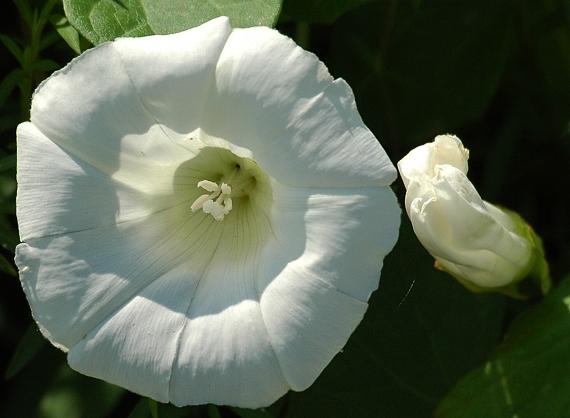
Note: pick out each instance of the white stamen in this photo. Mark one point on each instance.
(218, 203)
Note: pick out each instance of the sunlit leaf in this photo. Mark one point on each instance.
(104, 20)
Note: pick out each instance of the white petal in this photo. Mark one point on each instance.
(108, 125)
(75, 282)
(226, 356)
(337, 235)
(274, 98)
(136, 346)
(308, 323)
(59, 193)
(316, 276)
(172, 74)
(479, 245)
(419, 164)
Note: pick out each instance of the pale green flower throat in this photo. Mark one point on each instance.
(237, 180)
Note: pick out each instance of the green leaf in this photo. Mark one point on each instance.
(45, 65)
(318, 11)
(66, 31)
(529, 373)
(419, 72)
(105, 20)
(9, 84)
(13, 48)
(213, 411)
(8, 238)
(9, 122)
(25, 10)
(7, 267)
(31, 343)
(141, 410)
(420, 335)
(251, 413)
(153, 407)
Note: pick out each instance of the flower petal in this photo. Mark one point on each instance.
(226, 356)
(174, 93)
(72, 288)
(480, 244)
(116, 125)
(272, 97)
(136, 346)
(59, 193)
(340, 236)
(308, 323)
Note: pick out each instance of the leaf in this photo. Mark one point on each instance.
(141, 410)
(7, 267)
(318, 11)
(9, 84)
(66, 31)
(8, 238)
(419, 72)
(25, 10)
(528, 375)
(30, 345)
(105, 20)
(420, 335)
(45, 65)
(251, 413)
(13, 48)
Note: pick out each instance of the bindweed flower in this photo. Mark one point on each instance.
(204, 215)
(483, 246)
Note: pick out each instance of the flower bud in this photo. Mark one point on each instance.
(483, 246)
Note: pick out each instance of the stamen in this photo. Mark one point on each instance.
(218, 203)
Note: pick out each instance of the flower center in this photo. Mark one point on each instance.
(237, 179)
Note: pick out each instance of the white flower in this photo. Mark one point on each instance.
(469, 238)
(204, 214)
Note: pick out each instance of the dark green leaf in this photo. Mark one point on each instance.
(48, 39)
(7, 267)
(29, 346)
(527, 376)
(251, 413)
(152, 407)
(9, 122)
(141, 410)
(45, 65)
(8, 238)
(422, 72)
(105, 20)
(10, 83)
(213, 411)
(318, 11)
(13, 48)
(410, 349)
(8, 162)
(25, 10)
